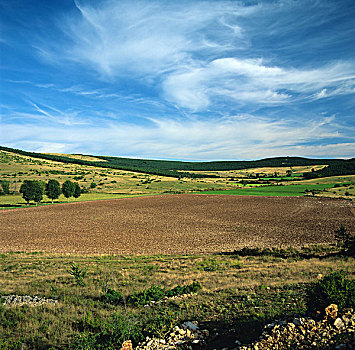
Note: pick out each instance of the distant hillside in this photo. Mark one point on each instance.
(184, 169)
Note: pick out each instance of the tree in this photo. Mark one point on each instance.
(53, 189)
(4, 187)
(77, 190)
(32, 190)
(288, 172)
(345, 240)
(38, 191)
(68, 189)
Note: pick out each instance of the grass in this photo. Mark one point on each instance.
(15, 201)
(286, 190)
(237, 290)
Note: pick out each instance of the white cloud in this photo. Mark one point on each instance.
(321, 94)
(144, 36)
(252, 81)
(238, 137)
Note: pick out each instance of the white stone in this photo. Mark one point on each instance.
(190, 325)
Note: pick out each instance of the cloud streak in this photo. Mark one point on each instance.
(238, 137)
(252, 81)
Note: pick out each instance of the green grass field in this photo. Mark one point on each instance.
(287, 190)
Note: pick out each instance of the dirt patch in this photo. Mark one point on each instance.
(173, 224)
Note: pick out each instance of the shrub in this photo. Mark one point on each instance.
(160, 322)
(194, 287)
(112, 297)
(154, 293)
(78, 272)
(334, 288)
(106, 335)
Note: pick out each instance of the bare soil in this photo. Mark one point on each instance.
(174, 224)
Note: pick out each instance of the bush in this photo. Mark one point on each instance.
(106, 335)
(160, 322)
(154, 293)
(194, 287)
(78, 272)
(334, 288)
(112, 297)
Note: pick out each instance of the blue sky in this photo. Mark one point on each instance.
(188, 80)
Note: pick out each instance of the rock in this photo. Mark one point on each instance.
(26, 299)
(127, 345)
(331, 311)
(338, 323)
(190, 325)
(306, 333)
(297, 321)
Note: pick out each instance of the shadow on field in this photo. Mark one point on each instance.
(245, 331)
(303, 253)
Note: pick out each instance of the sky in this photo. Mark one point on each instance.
(183, 80)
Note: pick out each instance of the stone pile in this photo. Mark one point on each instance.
(186, 337)
(166, 299)
(26, 299)
(306, 333)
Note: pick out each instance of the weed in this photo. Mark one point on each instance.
(78, 272)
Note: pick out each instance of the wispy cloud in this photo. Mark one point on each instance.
(252, 81)
(238, 137)
(194, 52)
(54, 115)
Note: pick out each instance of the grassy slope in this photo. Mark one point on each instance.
(113, 183)
(172, 166)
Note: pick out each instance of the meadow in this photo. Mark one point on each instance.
(239, 295)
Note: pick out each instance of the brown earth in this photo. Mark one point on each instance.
(173, 224)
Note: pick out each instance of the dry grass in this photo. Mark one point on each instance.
(37, 274)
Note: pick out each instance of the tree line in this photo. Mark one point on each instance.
(337, 168)
(33, 190)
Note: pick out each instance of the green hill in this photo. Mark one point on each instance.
(185, 169)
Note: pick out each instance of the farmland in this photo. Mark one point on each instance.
(179, 224)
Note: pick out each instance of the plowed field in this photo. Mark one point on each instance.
(173, 224)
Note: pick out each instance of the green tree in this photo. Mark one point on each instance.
(68, 189)
(38, 191)
(77, 190)
(32, 190)
(53, 189)
(4, 187)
